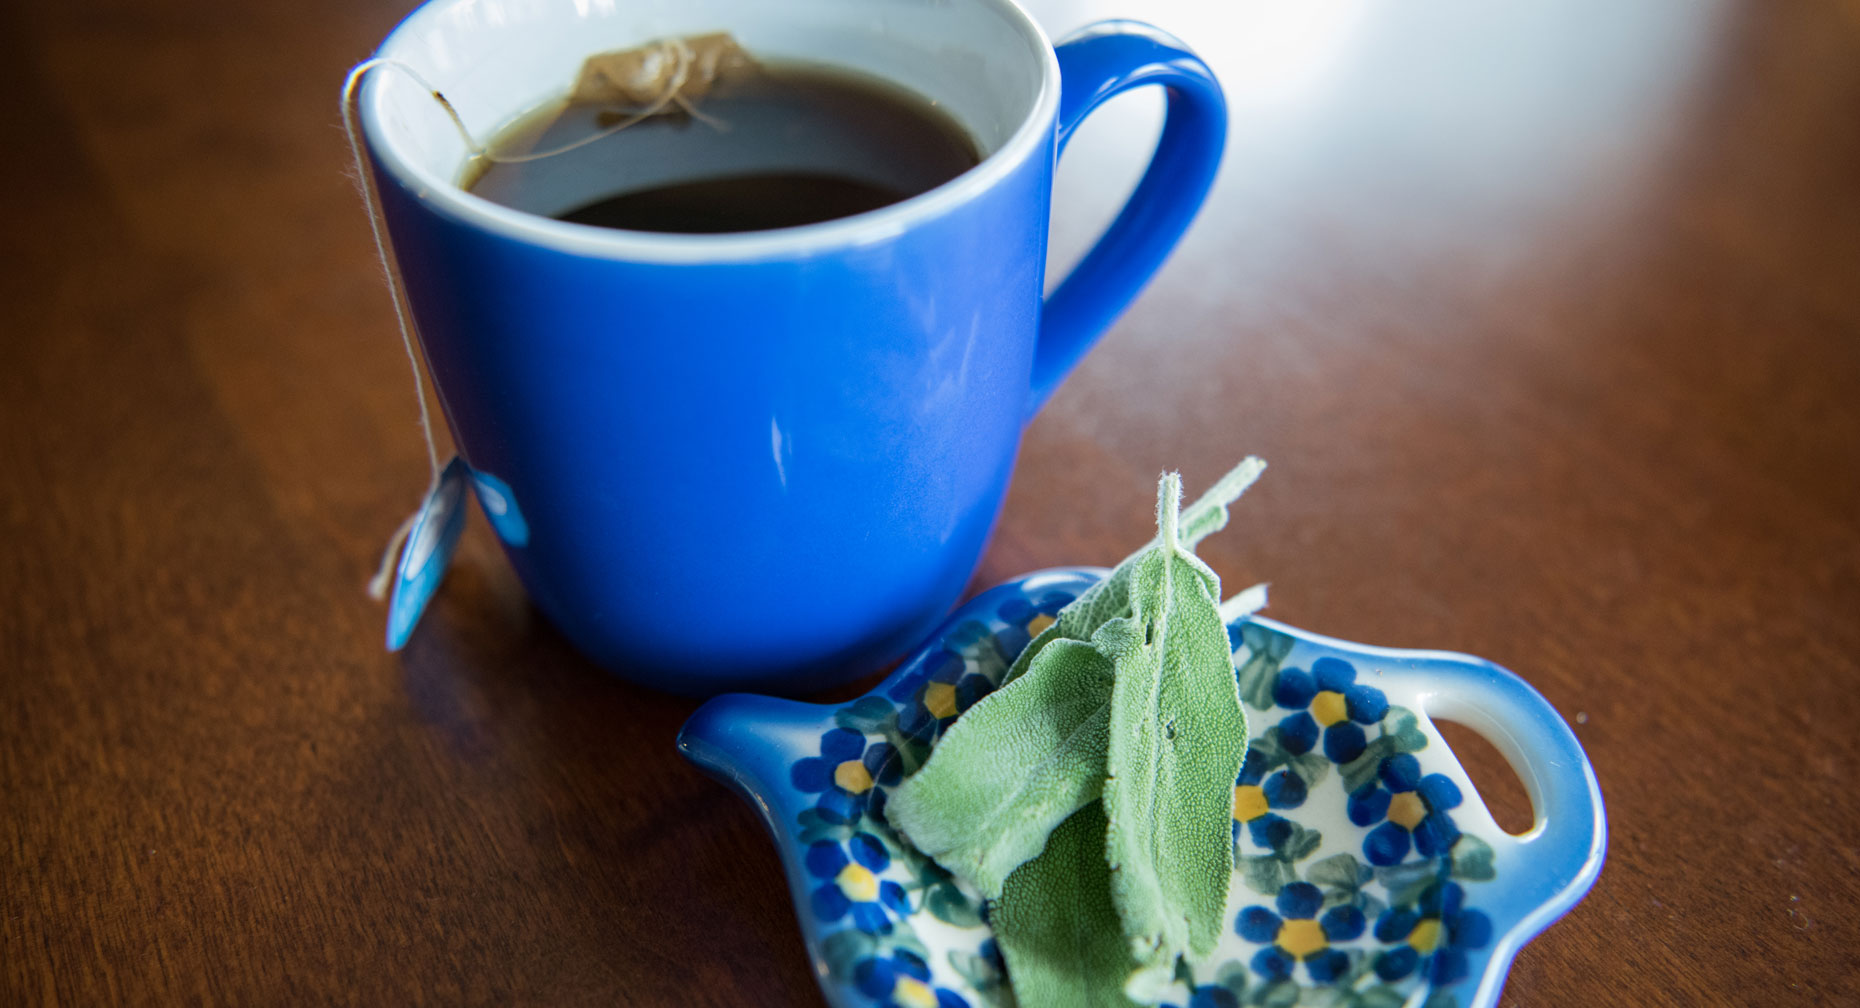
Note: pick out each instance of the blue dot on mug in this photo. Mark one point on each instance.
(500, 506)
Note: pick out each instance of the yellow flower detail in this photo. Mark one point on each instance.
(1249, 802)
(1329, 707)
(1038, 624)
(1425, 936)
(1407, 810)
(940, 699)
(910, 992)
(858, 883)
(1302, 938)
(852, 776)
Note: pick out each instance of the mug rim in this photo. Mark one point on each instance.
(447, 197)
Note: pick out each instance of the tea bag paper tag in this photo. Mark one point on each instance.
(669, 69)
(427, 552)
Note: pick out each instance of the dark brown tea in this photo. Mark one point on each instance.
(788, 144)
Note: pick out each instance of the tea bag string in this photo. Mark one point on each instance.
(377, 585)
(683, 59)
(681, 69)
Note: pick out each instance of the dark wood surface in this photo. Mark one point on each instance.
(1546, 314)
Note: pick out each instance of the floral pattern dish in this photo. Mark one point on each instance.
(1368, 873)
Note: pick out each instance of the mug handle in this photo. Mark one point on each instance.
(1095, 64)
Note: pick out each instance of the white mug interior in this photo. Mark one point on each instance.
(984, 62)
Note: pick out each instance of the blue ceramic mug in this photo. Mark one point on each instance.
(764, 460)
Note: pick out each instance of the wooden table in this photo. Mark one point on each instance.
(1546, 314)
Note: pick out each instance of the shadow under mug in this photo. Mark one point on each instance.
(765, 460)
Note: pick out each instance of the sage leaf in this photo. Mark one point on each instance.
(1011, 769)
(1177, 739)
(1056, 924)
(1110, 598)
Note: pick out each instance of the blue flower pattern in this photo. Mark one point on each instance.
(1328, 700)
(902, 980)
(1258, 798)
(1433, 936)
(969, 666)
(1380, 928)
(1297, 934)
(1414, 807)
(850, 884)
(845, 773)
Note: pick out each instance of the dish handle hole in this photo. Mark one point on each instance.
(1492, 774)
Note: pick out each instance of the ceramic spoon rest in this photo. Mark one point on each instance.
(1367, 870)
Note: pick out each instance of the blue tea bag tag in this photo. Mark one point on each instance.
(500, 506)
(428, 552)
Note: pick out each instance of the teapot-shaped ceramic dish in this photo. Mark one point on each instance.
(1367, 870)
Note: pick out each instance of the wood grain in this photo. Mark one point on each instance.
(1547, 316)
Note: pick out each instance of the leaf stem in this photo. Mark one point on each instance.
(1168, 510)
(1208, 514)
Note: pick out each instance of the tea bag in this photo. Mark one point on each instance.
(667, 71)
(644, 81)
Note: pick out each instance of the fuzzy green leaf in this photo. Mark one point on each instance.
(1056, 924)
(1011, 769)
(1110, 598)
(1177, 738)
